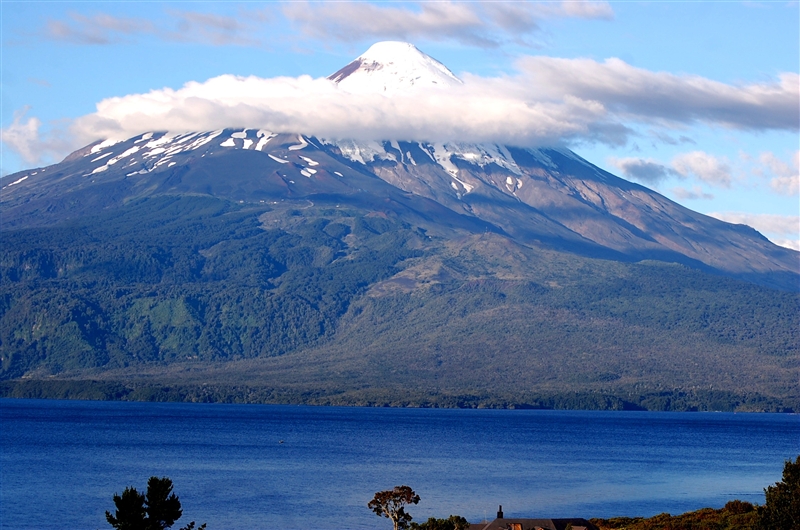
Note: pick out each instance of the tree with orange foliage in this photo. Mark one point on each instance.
(392, 505)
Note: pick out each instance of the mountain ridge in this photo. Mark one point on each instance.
(540, 194)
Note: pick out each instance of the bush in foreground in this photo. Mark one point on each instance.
(736, 515)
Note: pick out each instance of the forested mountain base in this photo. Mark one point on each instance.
(194, 298)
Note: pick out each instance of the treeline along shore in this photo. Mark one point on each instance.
(161, 508)
(674, 401)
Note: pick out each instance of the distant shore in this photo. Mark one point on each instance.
(152, 391)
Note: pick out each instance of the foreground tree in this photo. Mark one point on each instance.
(782, 509)
(454, 522)
(157, 509)
(130, 513)
(392, 505)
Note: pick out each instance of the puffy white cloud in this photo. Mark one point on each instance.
(646, 171)
(785, 185)
(23, 136)
(643, 94)
(708, 168)
(782, 230)
(785, 179)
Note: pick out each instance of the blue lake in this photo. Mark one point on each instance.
(63, 460)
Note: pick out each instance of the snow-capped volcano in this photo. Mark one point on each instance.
(543, 196)
(390, 67)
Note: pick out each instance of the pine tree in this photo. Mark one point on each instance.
(130, 513)
(782, 509)
(157, 509)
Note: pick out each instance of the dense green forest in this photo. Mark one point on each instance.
(199, 280)
(144, 389)
(201, 299)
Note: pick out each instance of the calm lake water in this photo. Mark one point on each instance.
(63, 460)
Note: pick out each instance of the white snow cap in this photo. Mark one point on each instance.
(390, 67)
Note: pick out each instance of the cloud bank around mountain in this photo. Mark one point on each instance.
(547, 102)
(479, 111)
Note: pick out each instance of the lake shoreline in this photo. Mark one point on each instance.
(694, 400)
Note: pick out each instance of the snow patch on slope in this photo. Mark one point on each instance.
(443, 154)
(16, 181)
(102, 145)
(363, 152)
(276, 159)
(303, 144)
(264, 137)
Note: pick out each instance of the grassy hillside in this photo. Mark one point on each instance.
(736, 515)
(324, 302)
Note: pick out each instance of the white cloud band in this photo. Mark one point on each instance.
(476, 112)
(505, 109)
(642, 94)
(782, 230)
(550, 101)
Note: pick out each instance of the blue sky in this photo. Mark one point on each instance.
(698, 100)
